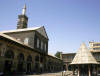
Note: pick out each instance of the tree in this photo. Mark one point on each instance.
(58, 54)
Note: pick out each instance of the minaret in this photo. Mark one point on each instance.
(22, 19)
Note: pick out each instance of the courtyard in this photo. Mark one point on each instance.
(67, 73)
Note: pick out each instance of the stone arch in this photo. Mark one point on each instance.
(9, 54)
(9, 57)
(29, 64)
(20, 65)
(37, 63)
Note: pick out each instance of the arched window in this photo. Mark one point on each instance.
(38, 41)
(26, 41)
(9, 54)
(45, 47)
(20, 62)
(29, 60)
(41, 45)
(8, 63)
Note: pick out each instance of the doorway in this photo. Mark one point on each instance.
(9, 56)
(20, 63)
(8, 66)
(29, 62)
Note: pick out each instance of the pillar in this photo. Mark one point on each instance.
(15, 61)
(73, 70)
(97, 69)
(89, 70)
(66, 66)
(2, 63)
(78, 71)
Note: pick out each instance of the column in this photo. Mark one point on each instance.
(89, 70)
(73, 70)
(78, 71)
(97, 69)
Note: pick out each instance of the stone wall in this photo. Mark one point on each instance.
(21, 36)
(10, 53)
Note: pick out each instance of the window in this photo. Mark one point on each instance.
(45, 47)
(26, 41)
(96, 48)
(9, 54)
(36, 58)
(99, 56)
(96, 44)
(41, 45)
(37, 43)
(0, 49)
(41, 59)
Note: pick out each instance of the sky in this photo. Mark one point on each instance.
(68, 23)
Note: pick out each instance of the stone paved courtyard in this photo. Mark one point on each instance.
(67, 73)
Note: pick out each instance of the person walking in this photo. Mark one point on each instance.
(64, 73)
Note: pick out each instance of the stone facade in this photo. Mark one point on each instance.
(25, 50)
(95, 49)
(22, 36)
(67, 59)
(30, 37)
(15, 57)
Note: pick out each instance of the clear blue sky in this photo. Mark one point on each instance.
(68, 22)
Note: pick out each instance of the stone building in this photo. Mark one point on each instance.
(94, 48)
(67, 59)
(25, 50)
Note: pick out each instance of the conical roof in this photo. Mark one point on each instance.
(84, 56)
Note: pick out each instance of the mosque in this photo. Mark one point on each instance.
(25, 50)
